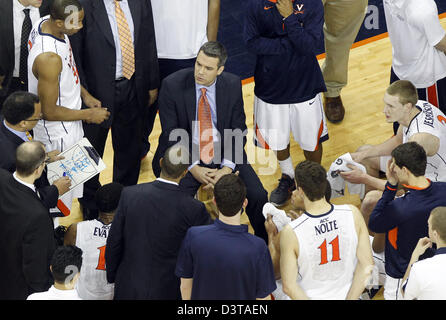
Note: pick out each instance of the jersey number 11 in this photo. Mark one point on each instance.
(335, 250)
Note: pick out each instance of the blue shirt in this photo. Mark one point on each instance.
(226, 263)
(110, 8)
(287, 70)
(404, 220)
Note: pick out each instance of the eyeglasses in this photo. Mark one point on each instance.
(45, 162)
(37, 119)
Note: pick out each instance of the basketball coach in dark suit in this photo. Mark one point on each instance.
(116, 56)
(147, 231)
(212, 98)
(16, 19)
(26, 231)
(21, 111)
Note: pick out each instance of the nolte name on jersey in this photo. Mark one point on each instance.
(325, 226)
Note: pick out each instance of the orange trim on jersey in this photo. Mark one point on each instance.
(319, 134)
(391, 189)
(392, 235)
(260, 139)
(432, 97)
(417, 188)
(63, 208)
(442, 119)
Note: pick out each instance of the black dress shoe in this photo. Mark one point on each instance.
(334, 109)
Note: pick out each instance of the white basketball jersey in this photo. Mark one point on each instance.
(430, 120)
(91, 237)
(69, 83)
(327, 253)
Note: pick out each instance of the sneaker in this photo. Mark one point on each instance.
(282, 193)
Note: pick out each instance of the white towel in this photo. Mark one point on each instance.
(280, 218)
(338, 183)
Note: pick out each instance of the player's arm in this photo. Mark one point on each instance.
(429, 142)
(420, 249)
(186, 288)
(442, 45)
(289, 252)
(383, 149)
(255, 41)
(357, 176)
(70, 235)
(364, 266)
(273, 244)
(213, 19)
(47, 68)
(303, 32)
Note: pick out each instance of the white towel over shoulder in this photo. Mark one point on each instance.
(280, 218)
(336, 181)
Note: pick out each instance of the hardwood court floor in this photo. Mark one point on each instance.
(364, 123)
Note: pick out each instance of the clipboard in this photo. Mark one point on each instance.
(81, 163)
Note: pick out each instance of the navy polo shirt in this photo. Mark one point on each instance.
(226, 262)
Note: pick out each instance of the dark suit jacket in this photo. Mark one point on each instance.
(7, 38)
(9, 143)
(177, 110)
(95, 54)
(145, 237)
(26, 240)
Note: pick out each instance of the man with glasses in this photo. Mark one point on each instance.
(27, 239)
(21, 112)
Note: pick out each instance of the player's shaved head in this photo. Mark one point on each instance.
(62, 9)
(29, 156)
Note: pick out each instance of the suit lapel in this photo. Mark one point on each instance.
(220, 101)
(135, 10)
(9, 32)
(190, 98)
(8, 134)
(100, 16)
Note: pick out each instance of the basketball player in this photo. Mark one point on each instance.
(91, 237)
(325, 253)
(52, 75)
(404, 220)
(420, 121)
(288, 82)
(418, 47)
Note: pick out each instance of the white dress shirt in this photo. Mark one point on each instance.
(18, 17)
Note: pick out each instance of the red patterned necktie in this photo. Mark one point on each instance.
(205, 125)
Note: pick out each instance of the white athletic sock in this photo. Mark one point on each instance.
(287, 167)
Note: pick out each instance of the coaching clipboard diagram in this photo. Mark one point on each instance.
(81, 162)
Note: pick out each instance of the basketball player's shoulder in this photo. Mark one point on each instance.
(348, 209)
(47, 60)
